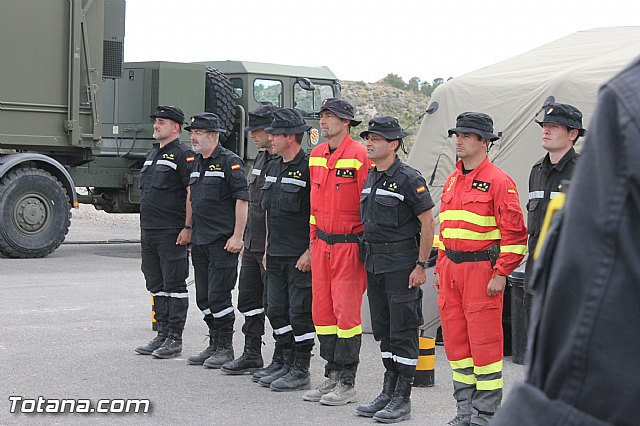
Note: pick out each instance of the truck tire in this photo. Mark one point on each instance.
(35, 213)
(218, 99)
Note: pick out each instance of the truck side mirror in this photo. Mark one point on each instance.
(306, 84)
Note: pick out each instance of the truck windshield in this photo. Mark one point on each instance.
(268, 92)
(307, 101)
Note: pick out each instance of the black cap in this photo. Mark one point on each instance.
(287, 121)
(565, 114)
(260, 118)
(341, 108)
(385, 126)
(206, 121)
(170, 112)
(475, 122)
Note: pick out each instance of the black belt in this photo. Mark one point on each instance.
(467, 256)
(390, 248)
(338, 238)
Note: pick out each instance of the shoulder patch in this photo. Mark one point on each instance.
(235, 166)
(480, 185)
(190, 158)
(421, 189)
(511, 191)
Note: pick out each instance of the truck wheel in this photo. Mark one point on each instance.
(218, 99)
(35, 213)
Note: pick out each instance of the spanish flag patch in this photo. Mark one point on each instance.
(511, 191)
(421, 189)
(190, 158)
(235, 166)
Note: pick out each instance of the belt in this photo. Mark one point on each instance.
(338, 238)
(390, 248)
(467, 256)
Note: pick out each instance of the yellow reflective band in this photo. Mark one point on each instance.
(317, 161)
(436, 241)
(462, 363)
(346, 163)
(487, 385)
(557, 203)
(441, 246)
(467, 216)
(346, 334)
(326, 329)
(312, 220)
(465, 234)
(496, 367)
(517, 249)
(467, 379)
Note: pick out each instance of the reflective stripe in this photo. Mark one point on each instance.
(467, 379)
(554, 195)
(468, 216)
(495, 367)
(405, 361)
(318, 162)
(386, 355)
(487, 385)
(312, 219)
(194, 174)
(216, 174)
(536, 194)
(390, 194)
(174, 295)
(441, 246)
(366, 191)
(345, 334)
(256, 172)
(324, 330)
(462, 363)
(294, 181)
(465, 234)
(147, 163)
(516, 248)
(271, 178)
(306, 336)
(253, 312)
(436, 241)
(348, 163)
(171, 164)
(283, 330)
(207, 311)
(223, 312)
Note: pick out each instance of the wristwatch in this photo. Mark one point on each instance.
(423, 265)
(186, 227)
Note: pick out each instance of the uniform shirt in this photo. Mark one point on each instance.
(480, 209)
(337, 179)
(216, 183)
(254, 234)
(390, 205)
(285, 197)
(163, 182)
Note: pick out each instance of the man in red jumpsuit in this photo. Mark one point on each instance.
(483, 239)
(338, 170)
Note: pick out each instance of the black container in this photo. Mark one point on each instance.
(518, 333)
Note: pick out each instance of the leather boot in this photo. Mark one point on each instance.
(200, 358)
(171, 347)
(298, 377)
(276, 364)
(460, 420)
(223, 353)
(249, 361)
(388, 387)
(314, 395)
(343, 393)
(155, 343)
(287, 358)
(399, 408)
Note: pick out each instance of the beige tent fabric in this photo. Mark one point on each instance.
(513, 91)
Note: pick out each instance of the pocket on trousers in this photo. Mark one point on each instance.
(485, 321)
(303, 287)
(407, 309)
(177, 267)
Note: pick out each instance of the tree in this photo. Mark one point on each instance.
(394, 80)
(414, 84)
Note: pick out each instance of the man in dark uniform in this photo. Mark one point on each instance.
(561, 128)
(583, 342)
(165, 222)
(398, 230)
(219, 198)
(251, 284)
(285, 197)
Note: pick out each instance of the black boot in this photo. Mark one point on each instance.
(249, 361)
(171, 347)
(156, 342)
(388, 386)
(297, 378)
(276, 364)
(223, 353)
(287, 363)
(200, 358)
(399, 408)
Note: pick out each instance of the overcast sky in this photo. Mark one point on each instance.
(361, 39)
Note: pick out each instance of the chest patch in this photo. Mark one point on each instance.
(346, 173)
(215, 167)
(480, 185)
(391, 186)
(296, 174)
(168, 157)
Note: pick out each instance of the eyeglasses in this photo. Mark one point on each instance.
(374, 138)
(200, 132)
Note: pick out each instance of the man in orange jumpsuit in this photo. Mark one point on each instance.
(338, 170)
(483, 239)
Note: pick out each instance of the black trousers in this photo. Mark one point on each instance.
(289, 303)
(396, 314)
(216, 272)
(252, 293)
(165, 267)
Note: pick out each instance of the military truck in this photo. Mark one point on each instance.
(73, 115)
